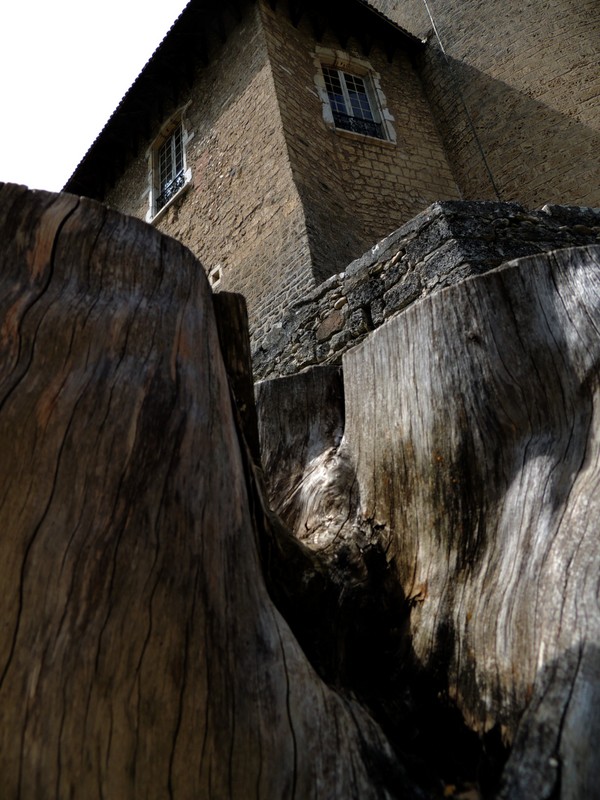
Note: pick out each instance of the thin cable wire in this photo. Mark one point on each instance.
(463, 101)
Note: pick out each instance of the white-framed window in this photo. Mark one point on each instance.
(352, 102)
(351, 94)
(168, 171)
(170, 167)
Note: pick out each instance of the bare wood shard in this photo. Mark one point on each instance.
(231, 317)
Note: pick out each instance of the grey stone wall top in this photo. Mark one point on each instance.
(446, 243)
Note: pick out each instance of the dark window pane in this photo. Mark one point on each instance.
(170, 164)
(350, 102)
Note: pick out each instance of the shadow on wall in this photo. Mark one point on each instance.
(331, 222)
(523, 150)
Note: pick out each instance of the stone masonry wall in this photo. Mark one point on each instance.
(242, 210)
(279, 200)
(527, 74)
(443, 245)
(354, 189)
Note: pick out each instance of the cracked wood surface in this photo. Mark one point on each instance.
(470, 453)
(473, 423)
(140, 653)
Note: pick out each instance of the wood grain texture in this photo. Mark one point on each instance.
(469, 461)
(301, 425)
(231, 316)
(140, 653)
(473, 425)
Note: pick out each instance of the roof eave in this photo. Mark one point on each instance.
(166, 66)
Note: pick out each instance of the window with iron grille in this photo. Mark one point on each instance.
(352, 102)
(170, 168)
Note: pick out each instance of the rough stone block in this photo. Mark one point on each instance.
(402, 295)
(332, 323)
(365, 292)
(358, 322)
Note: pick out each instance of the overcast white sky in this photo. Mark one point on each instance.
(64, 66)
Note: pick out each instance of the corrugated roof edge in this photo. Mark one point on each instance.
(391, 22)
(127, 93)
(71, 183)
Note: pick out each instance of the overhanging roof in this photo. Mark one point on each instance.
(170, 70)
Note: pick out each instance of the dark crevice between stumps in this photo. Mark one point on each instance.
(352, 620)
(375, 664)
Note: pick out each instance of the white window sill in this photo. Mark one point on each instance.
(361, 137)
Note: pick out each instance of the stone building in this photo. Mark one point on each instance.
(280, 140)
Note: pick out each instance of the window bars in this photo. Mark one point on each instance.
(170, 168)
(352, 106)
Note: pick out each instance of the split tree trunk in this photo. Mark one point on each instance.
(471, 453)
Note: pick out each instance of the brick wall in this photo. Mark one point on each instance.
(242, 211)
(354, 189)
(528, 75)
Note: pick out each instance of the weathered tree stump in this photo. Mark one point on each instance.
(140, 653)
(473, 424)
(471, 448)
